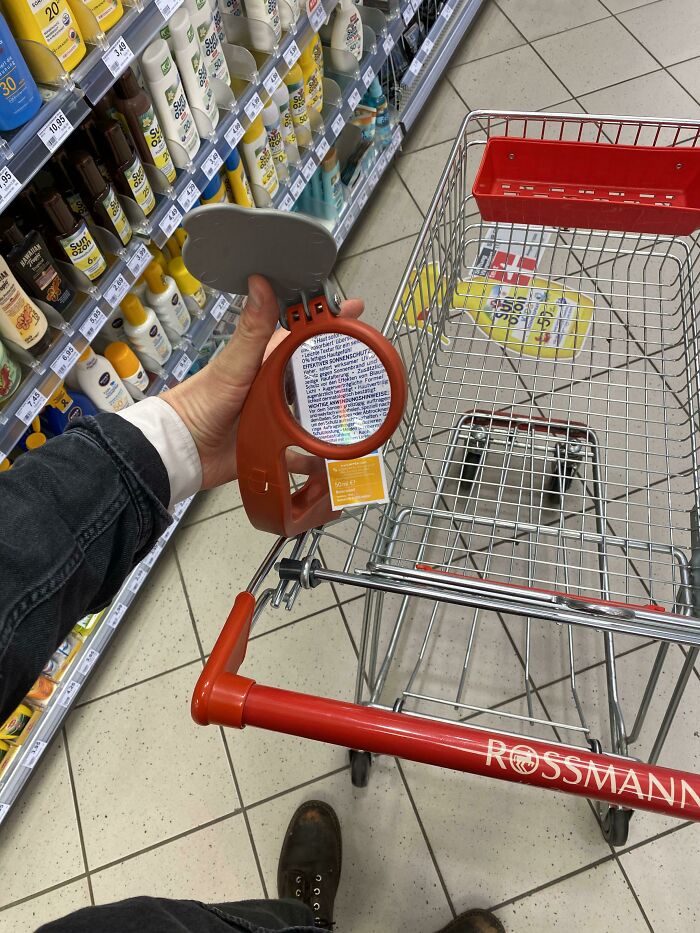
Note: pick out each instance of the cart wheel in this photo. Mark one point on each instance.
(473, 456)
(360, 763)
(565, 469)
(616, 825)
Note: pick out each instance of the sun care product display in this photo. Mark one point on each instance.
(10, 375)
(129, 369)
(281, 98)
(202, 18)
(330, 180)
(238, 180)
(273, 128)
(128, 170)
(102, 199)
(49, 23)
(190, 288)
(265, 11)
(375, 99)
(137, 109)
(170, 102)
(294, 81)
(106, 12)
(145, 332)
(193, 71)
(313, 79)
(258, 160)
(64, 406)
(99, 381)
(346, 33)
(76, 240)
(21, 322)
(29, 258)
(163, 296)
(20, 99)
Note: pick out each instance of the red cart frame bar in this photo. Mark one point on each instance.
(224, 697)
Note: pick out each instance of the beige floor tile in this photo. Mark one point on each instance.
(154, 636)
(512, 80)
(26, 917)
(688, 73)
(211, 502)
(213, 865)
(375, 276)
(440, 121)
(39, 841)
(670, 29)
(143, 770)
(313, 656)
(617, 56)
(388, 881)
(421, 171)
(491, 32)
(660, 873)
(652, 95)
(390, 209)
(619, 6)
(572, 905)
(538, 18)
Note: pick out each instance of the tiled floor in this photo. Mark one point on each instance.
(135, 799)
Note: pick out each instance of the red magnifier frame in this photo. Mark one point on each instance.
(267, 428)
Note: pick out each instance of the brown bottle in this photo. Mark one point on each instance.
(63, 181)
(102, 199)
(29, 258)
(74, 237)
(90, 137)
(129, 173)
(137, 108)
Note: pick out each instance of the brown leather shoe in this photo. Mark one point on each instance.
(311, 859)
(474, 921)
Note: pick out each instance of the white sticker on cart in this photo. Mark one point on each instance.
(357, 482)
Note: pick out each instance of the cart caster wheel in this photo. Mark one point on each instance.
(360, 763)
(473, 457)
(616, 825)
(565, 470)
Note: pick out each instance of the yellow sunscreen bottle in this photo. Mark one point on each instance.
(106, 12)
(49, 23)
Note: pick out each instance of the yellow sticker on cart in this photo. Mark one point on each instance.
(357, 482)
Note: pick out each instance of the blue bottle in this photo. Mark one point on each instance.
(64, 406)
(20, 99)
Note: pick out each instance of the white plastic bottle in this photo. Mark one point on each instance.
(218, 21)
(273, 128)
(163, 296)
(129, 369)
(258, 159)
(234, 7)
(193, 71)
(98, 379)
(145, 331)
(346, 34)
(170, 102)
(281, 98)
(268, 12)
(202, 17)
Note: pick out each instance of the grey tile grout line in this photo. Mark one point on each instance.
(83, 704)
(633, 892)
(206, 518)
(409, 192)
(74, 792)
(31, 897)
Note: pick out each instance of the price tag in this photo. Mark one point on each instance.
(368, 76)
(234, 134)
(65, 361)
(407, 14)
(9, 186)
(138, 262)
(317, 15)
(4, 810)
(322, 149)
(355, 98)
(297, 187)
(362, 200)
(116, 614)
(55, 131)
(34, 753)
(137, 578)
(308, 168)
(69, 691)
(253, 107)
(31, 407)
(416, 5)
(382, 163)
(93, 324)
(427, 48)
(150, 558)
(171, 221)
(272, 81)
(287, 203)
(182, 367)
(291, 54)
(88, 662)
(168, 533)
(338, 124)
(219, 309)
(188, 197)
(118, 57)
(212, 164)
(415, 66)
(447, 12)
(388, 44)
(168, 7)
(116, 291)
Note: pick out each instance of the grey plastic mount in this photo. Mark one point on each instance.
(227, 243)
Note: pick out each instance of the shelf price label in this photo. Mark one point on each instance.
(168, 7)
(308, 168)
(234, 134)
(34, 754)
(338, 124)
(322, 149)
(212, 164)
(354, 98)
(150, 558)
(171, 221)
(188, 197)
(217, 312)
(9, 186)
(118, 57)
(362, 200)
(291, 54)
(447, 12)
(408, 14)
(116, 615)
(68, 693)
(138, 262)
(297, 186)
(88, 662)
(287, 203)
(182, 367)
(427, 48)
(388, 44)
(55, 130)
(415, 66)
(137, 578)
(317, 14)
(93, 324)
(116, 291)
(272, 81)
(253, 107)
(415, 4)
(368, 76)
(31, 407)
(65, 361)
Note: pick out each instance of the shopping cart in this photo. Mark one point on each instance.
(543, 482)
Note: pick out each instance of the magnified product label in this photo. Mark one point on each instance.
(342, 389)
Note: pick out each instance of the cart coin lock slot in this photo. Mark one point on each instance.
(335, 387)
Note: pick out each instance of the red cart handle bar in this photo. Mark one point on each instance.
(224, 697)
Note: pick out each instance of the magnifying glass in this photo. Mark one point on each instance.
(335, 388)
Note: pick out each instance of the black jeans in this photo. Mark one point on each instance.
(77, 515)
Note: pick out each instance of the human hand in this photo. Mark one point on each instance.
(210, 402)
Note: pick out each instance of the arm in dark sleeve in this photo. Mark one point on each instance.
(76, 516)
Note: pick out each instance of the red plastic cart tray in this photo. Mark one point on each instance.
(636, 189)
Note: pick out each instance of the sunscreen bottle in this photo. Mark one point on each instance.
(20, 99)
(129, 369)
(49, 23)
(190, 288)
(170, 101)
(237, 178)
(258, 158)
(99, 381)
(144, 330)
(193, 71)
(163, 296)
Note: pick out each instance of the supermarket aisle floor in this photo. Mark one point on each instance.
(135, 799)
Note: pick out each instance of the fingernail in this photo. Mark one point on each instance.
(255, 295)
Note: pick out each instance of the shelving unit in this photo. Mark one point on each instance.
(95, 76)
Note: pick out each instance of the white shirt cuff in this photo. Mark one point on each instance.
(164, 428)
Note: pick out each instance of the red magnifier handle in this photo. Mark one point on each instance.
(267, 429)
